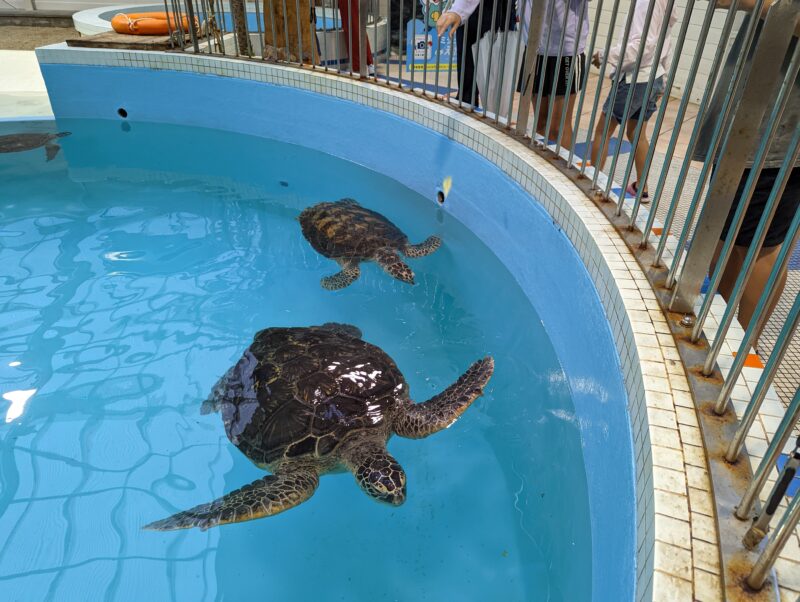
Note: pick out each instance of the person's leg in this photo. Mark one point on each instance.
(640, 152)
(566, 135)
(468, 35)
(599, 158)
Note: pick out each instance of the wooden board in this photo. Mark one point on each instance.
(112, 39)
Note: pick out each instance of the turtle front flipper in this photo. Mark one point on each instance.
(271, 495)
(51, 150)
(390, 261)
(423, 419)
(426, 247)
(343, 279)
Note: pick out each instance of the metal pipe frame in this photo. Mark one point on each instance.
(363, 9)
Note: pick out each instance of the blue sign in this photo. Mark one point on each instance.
(422, 44)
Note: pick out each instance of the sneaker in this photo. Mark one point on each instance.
(371, 70)
(633, 191)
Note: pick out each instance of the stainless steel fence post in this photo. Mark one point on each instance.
(523, 5)
(767, 376)
(324, 35)
(477, 55)
(782, 434)
(363, 8)
(542, 68)
(260, 31)
(425, 65)
(553, 86)
(192, 32)
(504, 50)
(764, 77)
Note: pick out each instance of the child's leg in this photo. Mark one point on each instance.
(640, 152)
(599, 158)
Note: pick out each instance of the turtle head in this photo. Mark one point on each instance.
(381, 477)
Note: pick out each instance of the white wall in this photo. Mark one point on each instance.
(690, 45)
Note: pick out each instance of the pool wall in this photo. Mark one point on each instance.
(417, 143)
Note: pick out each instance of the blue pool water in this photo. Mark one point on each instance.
(137, 266)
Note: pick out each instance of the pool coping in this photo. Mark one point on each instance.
(677, 540)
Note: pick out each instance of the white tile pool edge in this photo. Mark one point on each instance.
(677, 550)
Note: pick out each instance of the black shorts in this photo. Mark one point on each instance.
(787, 207)
(554, 69)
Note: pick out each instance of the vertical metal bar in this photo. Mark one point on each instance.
(489, 61)
(571, 78)
(529, 65)
(543, 60)
(648, 90)
(782, 434)
(501, 76)
(767, 376)
(287, 58)
(478, 39)
(451, 41)
(388, 38)
(169, 22)
(463, 64)
(324, 35)
(762, 81)
(554, 85)
(600, 78)
(260, 32)
(585, 84)
(221, 26)
(615, 86)
(427, 35)
(515, 71)
(402, 46)
(786, 526)
(741, 209)
(192, 32)
(413, 41)
(673, 70)
(299, 32)
(362, 38)
(272, 27)
(374, 14)
(707, 93)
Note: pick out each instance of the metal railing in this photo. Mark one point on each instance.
(740, 156)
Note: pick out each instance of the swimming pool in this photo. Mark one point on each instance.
(534, 468)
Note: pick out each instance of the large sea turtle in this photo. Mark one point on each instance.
(349, 233)
(302, 402)
(16, 143)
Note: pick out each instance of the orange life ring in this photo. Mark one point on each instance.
(149, 24)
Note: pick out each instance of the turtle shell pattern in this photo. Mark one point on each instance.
(300, 392)
(347, 230)
(12, 143)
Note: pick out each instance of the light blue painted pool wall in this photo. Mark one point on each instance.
(487, 201)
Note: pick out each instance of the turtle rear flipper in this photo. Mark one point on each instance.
(51, 150)
(265, 497)
(390, 261)
(426, 247)
(423, 419)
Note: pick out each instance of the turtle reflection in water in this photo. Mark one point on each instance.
(17, 143)
(302, 402)
(349, 233)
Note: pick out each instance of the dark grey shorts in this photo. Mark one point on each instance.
(637, 102)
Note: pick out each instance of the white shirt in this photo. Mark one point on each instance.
(465, 8)
(651, 41)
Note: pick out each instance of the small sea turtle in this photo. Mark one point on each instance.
(16, 143)
(349, 233)
(302, 402)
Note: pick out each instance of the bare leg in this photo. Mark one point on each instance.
(754, 286)
(599, 159)
(640, 153)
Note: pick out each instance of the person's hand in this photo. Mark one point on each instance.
(448, 20)
(596, 59)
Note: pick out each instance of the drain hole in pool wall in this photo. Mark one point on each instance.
(440, 196)
(122, 112)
